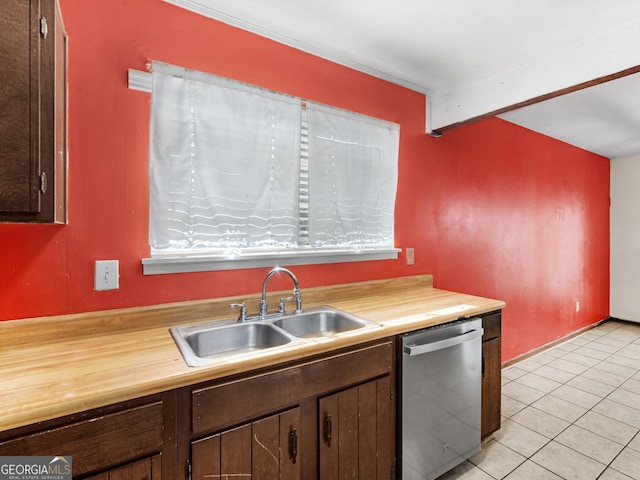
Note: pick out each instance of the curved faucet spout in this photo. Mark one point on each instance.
(296, 290)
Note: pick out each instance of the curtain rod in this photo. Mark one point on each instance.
(139, 80)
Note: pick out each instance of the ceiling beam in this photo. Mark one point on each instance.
(542, 98)
(604, 55)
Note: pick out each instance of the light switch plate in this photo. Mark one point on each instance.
(107, 276)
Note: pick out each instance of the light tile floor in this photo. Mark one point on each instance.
(570, 412)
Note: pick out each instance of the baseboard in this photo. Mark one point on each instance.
(546, 346)
(615, 319)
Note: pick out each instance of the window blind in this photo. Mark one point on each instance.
(236, 169)
(353, 172)
(222, 155)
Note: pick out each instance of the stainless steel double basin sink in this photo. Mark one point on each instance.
(218, 341)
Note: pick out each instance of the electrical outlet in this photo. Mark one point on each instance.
(410, 256)
(577, 306)
(107, 276)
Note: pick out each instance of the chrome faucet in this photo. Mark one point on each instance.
(296, 291)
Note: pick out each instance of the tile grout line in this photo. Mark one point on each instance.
(566, 383)
(610, 339)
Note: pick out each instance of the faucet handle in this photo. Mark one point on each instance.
(243, 311)
(298, 295)
(281, 305)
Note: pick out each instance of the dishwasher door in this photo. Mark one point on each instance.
(440, 407)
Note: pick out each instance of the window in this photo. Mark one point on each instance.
(241, 176)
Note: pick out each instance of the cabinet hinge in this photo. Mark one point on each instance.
(43, 183)
(44, 28)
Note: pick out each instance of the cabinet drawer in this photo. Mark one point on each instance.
(219, 406)
(97, 443)
(492, 325)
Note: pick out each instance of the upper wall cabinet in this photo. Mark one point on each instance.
(32, 112)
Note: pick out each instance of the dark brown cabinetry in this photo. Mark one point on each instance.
(32, 112)
(491, 373)
(145, 469)
(356, 433)
(266, 448)
(125, 441)
(273, 425)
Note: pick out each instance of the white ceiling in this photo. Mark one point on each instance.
(472, 58)
(604, 119)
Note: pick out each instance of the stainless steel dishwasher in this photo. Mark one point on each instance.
(440, 398)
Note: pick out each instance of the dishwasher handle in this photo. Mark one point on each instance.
(420, 349)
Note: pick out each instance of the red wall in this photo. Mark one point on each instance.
(491, 209)
(524, 218)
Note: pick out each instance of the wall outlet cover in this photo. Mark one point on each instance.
(411, 259)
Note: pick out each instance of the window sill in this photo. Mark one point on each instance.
(161, 264)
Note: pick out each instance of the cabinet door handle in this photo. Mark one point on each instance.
(44, 28)
(187, 470)
(293, 444)
(327, 429)
(43, 183)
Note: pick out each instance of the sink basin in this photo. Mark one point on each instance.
(206, 343)
(320, 322)
(201, 342)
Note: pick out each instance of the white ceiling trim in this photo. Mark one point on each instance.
(200, 7)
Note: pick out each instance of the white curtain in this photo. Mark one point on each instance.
(224, 163)
(353, 172)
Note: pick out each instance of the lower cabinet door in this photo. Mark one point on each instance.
(261, 450)
(491, 387)
(356, 430)
(145, 469)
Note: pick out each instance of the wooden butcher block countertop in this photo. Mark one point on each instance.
(56, 366)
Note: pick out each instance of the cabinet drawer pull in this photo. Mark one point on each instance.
(327, 430)
(293, 444)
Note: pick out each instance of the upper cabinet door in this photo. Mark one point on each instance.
(32, 112)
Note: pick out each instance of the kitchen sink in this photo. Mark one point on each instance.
(320, 322)
(207, 343)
